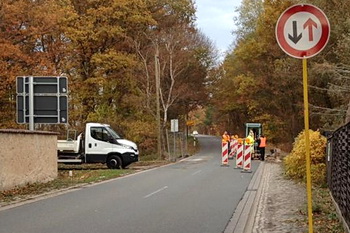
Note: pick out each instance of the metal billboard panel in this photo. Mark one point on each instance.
(20, 109)
(50, 100)
(43, 85)
(45, 110)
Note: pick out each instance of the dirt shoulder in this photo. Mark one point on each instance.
(282, 205)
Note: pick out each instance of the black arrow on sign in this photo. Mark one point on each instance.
(295, 38)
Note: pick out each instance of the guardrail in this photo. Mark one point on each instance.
(338, 171)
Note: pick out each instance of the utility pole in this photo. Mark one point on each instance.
(157, 76)
(186, 133)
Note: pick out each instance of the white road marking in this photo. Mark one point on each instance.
(195, 160)
(155, 192)
(195, 173)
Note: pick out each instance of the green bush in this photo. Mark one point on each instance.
(295, 162)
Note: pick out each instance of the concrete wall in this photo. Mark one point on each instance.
(27, 157)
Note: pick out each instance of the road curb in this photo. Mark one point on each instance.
(242, 220)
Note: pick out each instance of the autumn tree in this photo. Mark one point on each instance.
(259, 84)
(107, 50)
(329, 83)
(30, 44)
(101, 62)
(179, 54)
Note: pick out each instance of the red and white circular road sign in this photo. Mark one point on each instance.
(302, 31)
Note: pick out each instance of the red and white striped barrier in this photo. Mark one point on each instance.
(224, 161)
(239, 157)
(233, 149)
(235, 145)
(247, 158)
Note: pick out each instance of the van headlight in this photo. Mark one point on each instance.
(127, 147)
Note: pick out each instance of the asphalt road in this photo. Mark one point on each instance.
(194, 195)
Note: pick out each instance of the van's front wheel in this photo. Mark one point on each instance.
(114, 162)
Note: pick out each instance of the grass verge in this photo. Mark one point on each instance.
(324, 212)
(325, 217)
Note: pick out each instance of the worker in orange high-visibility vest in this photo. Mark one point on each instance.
(226, 137)
(262, 146)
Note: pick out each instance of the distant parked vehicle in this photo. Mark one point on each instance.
(99, 143)
(195, 132)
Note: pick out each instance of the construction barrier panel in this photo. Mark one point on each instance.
(235, 145)
(247, 158)
(239, 157)
(224, 161)
(233, 149)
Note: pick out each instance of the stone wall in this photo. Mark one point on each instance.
(27, 157)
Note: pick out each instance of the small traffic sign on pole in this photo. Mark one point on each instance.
(302, 31)
(174, 125)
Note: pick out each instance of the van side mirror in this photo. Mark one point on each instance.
(111, 139)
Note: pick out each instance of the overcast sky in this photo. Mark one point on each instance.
(215, 19)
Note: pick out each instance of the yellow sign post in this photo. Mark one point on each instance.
(302, 31)
(307, 146)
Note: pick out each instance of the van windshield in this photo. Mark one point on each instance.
(113, 133)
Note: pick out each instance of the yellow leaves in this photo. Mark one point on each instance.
(295, 162)
(249, 49)
(141, 132)
(103, 22)
(113, 60)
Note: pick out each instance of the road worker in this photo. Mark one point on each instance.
(226, 137)
(262, 146)
(250, 141)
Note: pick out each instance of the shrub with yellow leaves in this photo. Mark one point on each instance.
(295, 162)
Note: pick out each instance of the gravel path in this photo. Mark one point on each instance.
(280, 203)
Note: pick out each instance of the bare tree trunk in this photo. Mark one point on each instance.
(157, 76)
